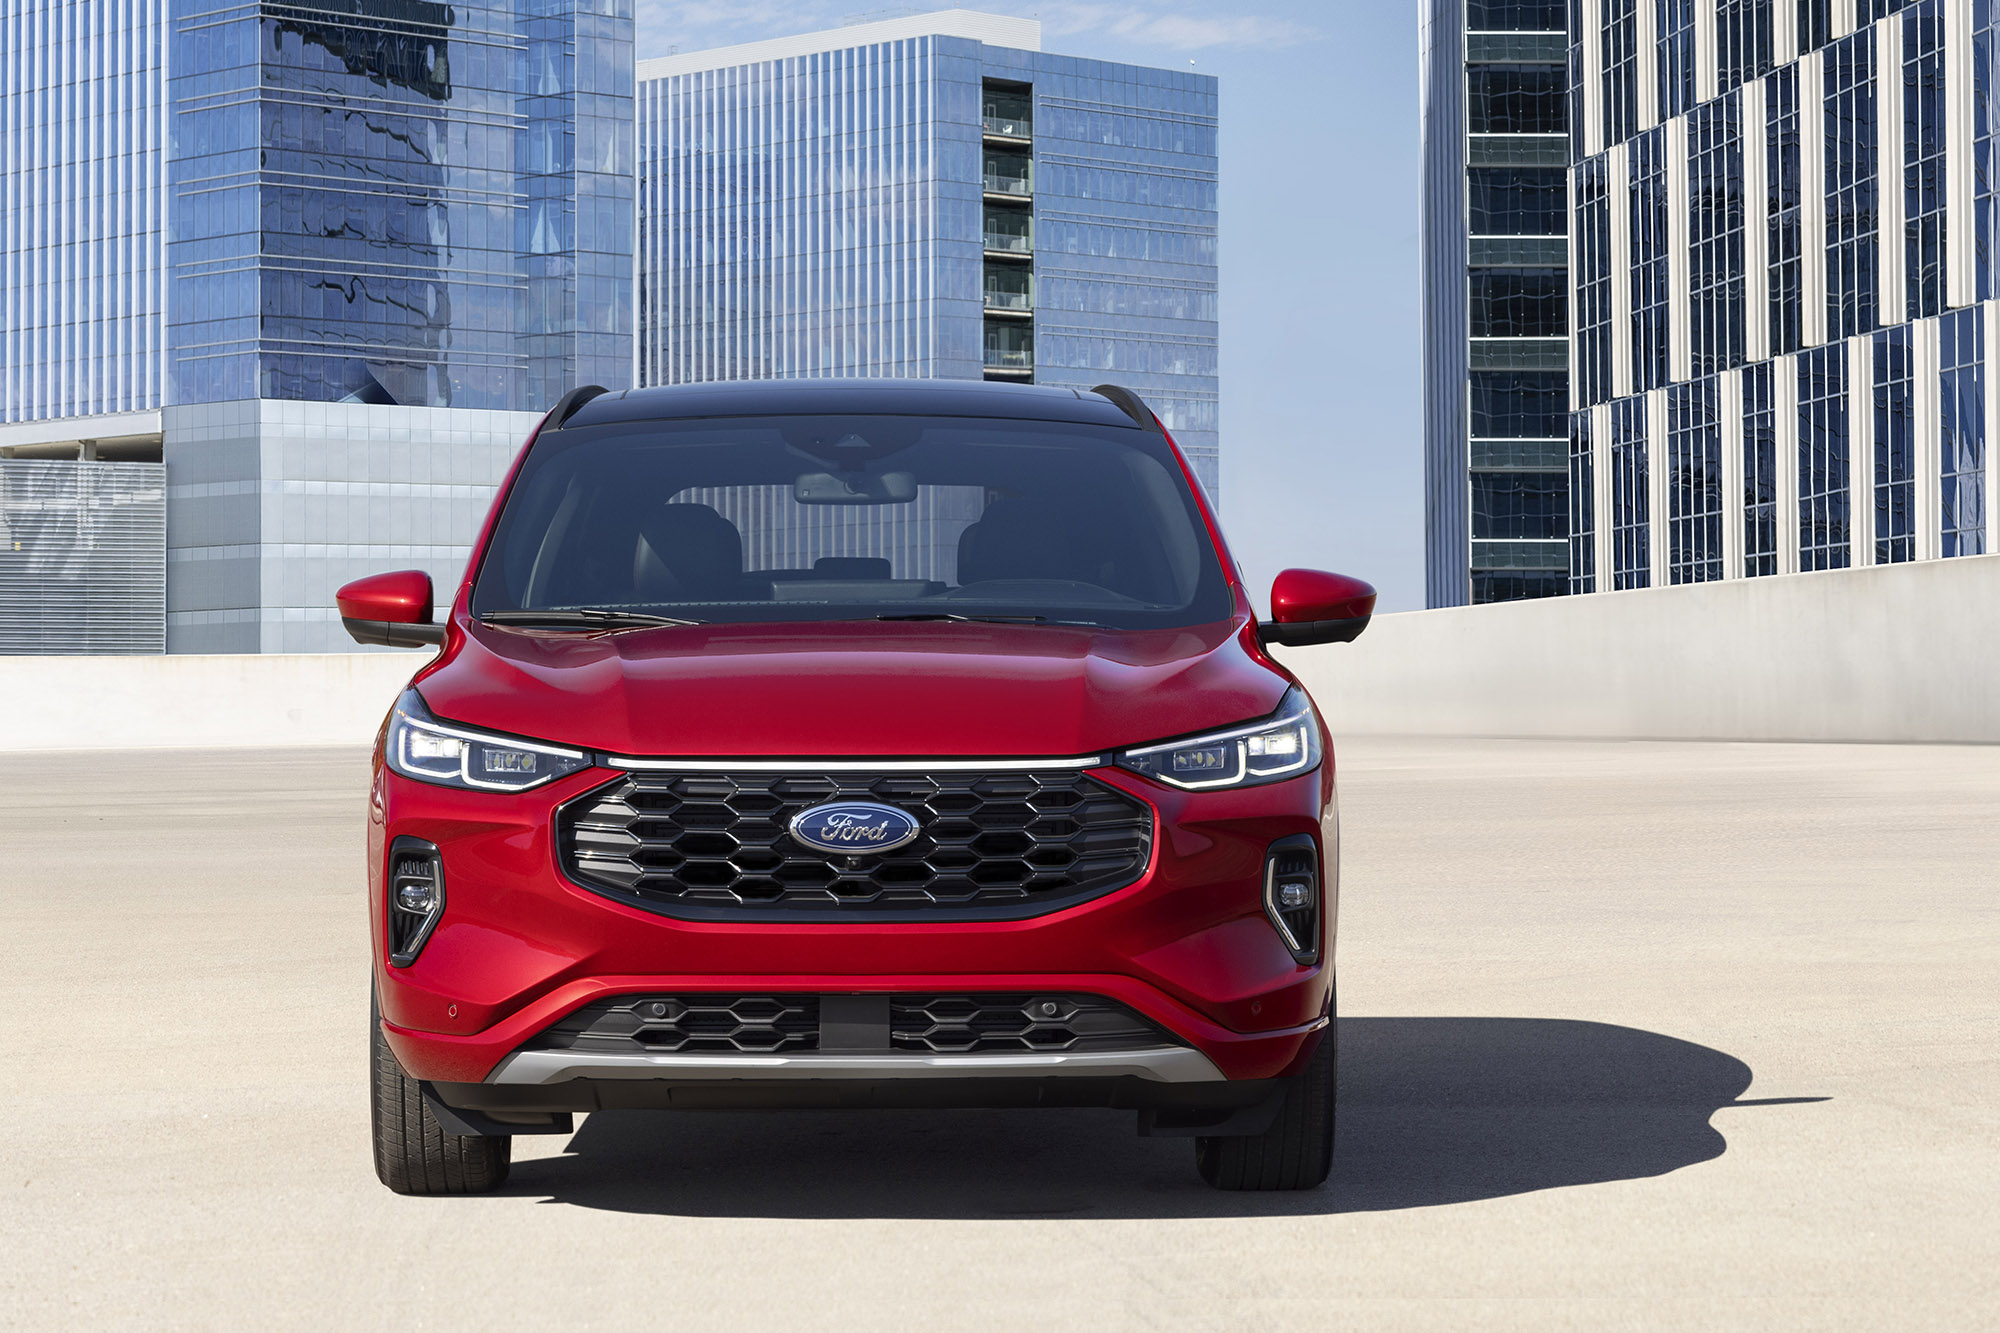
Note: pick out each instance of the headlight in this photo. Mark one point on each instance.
(1282, 746)
(421, 747)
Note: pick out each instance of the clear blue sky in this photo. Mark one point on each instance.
(1321, 417)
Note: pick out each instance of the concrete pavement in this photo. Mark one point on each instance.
(1649, 1035)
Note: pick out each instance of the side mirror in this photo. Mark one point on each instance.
(391, 609)
(1310, 606)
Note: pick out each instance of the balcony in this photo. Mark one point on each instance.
(1018, 186)
(1007, 111)
(1009, 233)
(1010, 349)
(1009, 175)
(1010, 358)
(1009, 303)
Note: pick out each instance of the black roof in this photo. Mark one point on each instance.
(873, 397)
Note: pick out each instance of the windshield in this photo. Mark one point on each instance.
(848, 518)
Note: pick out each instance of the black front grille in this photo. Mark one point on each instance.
(770, 1024)
(991, 846)
(690, 1024)
(950, 1024)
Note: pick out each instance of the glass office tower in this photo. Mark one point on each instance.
(1495, 304)
(931, 196)
(327, 261)
(401, 202)
(1784, 285)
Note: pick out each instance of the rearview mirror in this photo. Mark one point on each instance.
(859, 488)
(390, 609)
(1310, 606)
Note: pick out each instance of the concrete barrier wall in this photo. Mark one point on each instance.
(1900, 653)
(90, 703)
(1893, 653)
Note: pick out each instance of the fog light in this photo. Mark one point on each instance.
(420, 898)
(415, 899)
(1291, 895)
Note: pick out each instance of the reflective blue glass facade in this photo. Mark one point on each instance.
(399, 201)
(82, 215)
(325, 261)
(932, 205)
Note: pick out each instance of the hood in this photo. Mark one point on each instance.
(852, 690)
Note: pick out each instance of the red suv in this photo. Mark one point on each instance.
(865, 743)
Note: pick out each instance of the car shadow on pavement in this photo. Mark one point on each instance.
(1432, 1111)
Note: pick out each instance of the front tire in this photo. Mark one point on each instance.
(413, 1154)
(1296, 1152)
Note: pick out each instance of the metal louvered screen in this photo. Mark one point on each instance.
(83, 557)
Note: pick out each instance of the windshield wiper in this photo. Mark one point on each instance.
(988, 620)
(590, 617)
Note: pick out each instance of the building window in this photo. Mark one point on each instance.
(1650, 284)
(1895, 449)
(1519, 404)
(1923, 156)
(1517, 201)
(1985, 143)
(1743, 42)
(1851, 200)
(1516, 585)
(1676, 62)
(1815, 23)
(1781, 148)
(1520, 506)
(1694, 483)
(1823, 539)
(1620, 63)
(1962, 455)
(1760, 472)
(1515, 99)
(1631, 533)
(1519, 303)
(1513, 15)
(1592, 249)
(1576, 99)
(1582, 506)
(1715, 236)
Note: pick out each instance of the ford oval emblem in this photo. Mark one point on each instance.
(854, 828)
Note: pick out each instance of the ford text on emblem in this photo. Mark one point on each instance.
(854, 828)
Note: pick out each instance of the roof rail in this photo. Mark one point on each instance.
(567, 405)
(1128, 403)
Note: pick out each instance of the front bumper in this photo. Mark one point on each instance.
(519, 947)
(1156, 1064)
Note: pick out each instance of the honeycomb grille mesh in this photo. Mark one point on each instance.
(992, 845)
(773, 1024)
(970, 1024)
(691, 1024)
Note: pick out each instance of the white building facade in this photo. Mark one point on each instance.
(1783, 286)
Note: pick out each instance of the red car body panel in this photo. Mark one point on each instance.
(1189, 945)
(852, 690)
